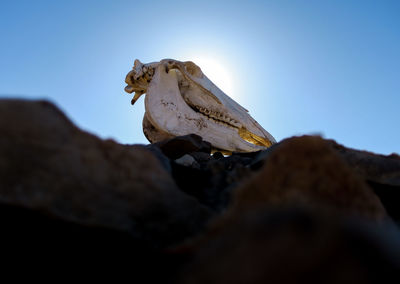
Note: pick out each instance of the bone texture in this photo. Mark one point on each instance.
(181, 100)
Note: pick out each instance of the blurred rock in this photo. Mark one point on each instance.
(37, 241)
(307, 171)
(293, 245)
(201, 157)
(381, 172)
(187, 161)
(211, 181)
(372, 167)
(176, 147)
(217, 155)
(164, 160)
(304, 210)
(48, 164)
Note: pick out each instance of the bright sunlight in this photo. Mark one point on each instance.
(217, 73)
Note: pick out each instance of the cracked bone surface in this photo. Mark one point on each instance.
(181, 100)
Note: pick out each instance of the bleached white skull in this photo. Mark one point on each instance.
(181, 100)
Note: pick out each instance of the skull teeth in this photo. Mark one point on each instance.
(218, 117)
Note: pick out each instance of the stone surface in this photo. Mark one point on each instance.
(36, 241)
(201, 157)
(305, 210)
(294, 246)
(48, 164)
(213, 180)
(187, 160)
(373, 167)
(381, 172)
(307, 171)
(175, 148)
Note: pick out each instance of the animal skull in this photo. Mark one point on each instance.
(181, 100)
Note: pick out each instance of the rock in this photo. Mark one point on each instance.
(381, 172)
(293, 245)
(258, 161)
(372, 167)
(48, 164)
(36, 240)
(212, 181)
(390, 198)
(201, 157)
(176, 147)
(257, 158)
(307, 171)
(187, 160)
(303, 210)
(218, 155)
(165, 162)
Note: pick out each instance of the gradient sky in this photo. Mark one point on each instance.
(300, 67)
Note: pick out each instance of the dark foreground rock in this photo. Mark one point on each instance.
(304, 210)
(381, 172)
(294, 245)
(307, 171)
(49, 165)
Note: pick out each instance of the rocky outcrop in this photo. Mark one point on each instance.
(48, 164)
(304, 210)
(306, 171)
(294, 245)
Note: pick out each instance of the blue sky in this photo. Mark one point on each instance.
(299, 67)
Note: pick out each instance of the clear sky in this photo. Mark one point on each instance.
(299, 67)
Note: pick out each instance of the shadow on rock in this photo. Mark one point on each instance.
(49, 165)
(289, 245)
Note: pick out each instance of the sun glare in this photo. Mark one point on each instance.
(217, 73)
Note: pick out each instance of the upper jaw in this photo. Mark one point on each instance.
(222, 109)
(253, 136)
